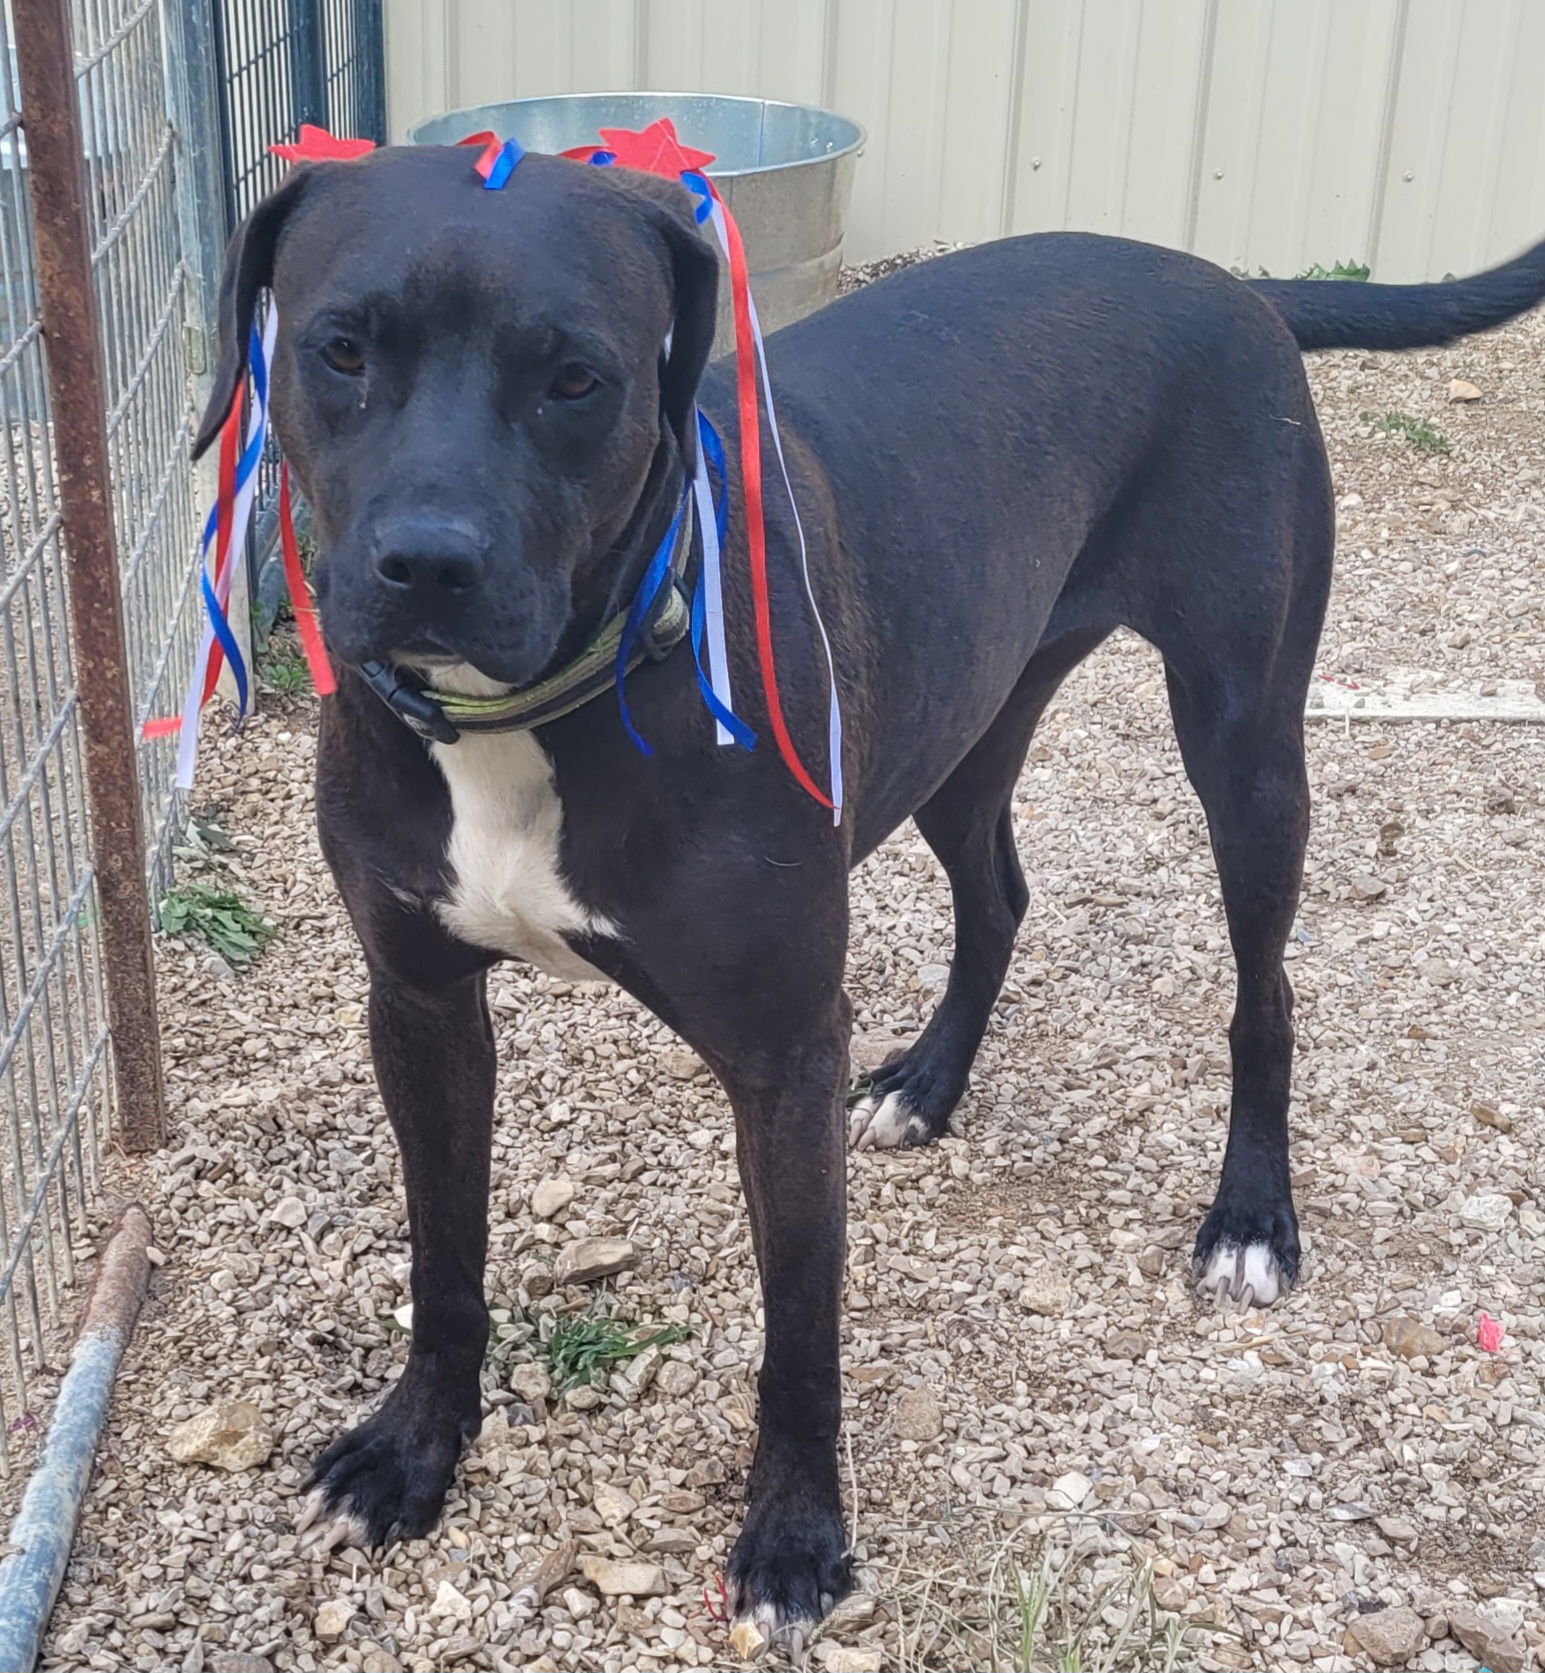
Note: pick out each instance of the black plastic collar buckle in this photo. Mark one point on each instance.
(409, 702)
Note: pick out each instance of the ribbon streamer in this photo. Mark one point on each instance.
(708, 599)
(305, 613)
(648, 591)
(708, 595)
(225, 533)
(751, 486)
(834, 706)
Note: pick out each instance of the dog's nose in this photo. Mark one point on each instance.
(428, 557)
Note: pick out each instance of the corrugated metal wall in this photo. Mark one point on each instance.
(1264, 133)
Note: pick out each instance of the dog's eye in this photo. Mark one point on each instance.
(573, 383)
(344, 355)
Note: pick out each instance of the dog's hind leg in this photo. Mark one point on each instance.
(1237, 689)
(1248, 769)
(969, 824)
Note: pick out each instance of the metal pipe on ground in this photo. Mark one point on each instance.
(44, 1529)
(45, 64)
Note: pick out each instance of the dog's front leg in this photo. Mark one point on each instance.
(791, 1561)
(434, 1060)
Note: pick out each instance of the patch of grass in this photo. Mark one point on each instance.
(218, 917)
(1417, 431)
(1116, 1628)
(585, 1347)
(1065, 1598)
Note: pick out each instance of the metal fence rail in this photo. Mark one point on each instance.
(53, 1015)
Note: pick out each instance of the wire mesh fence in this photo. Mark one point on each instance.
(155, 209)
(281, 63)
(53, 1027)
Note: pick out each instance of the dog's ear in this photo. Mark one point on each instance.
(249, 266)
(694, 315)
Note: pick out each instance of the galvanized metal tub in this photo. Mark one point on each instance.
(786, 172)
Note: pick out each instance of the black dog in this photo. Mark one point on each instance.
(1000, 457)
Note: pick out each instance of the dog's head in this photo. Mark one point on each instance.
(477, 390)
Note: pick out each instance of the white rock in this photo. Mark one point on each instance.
(1389, 1637)
(1486, 1211)
(450, 1603)
(623, 1579)
(231, 1435)
(289, 1212)
(1069, 1491)
(675, 1377)
(589, 1258)
(332, 1619)
(531, 1381)
(849, 1658)
(1047, 1291)
(613, 1504)
(552, 1196)
(629, 1381)
(917, 1415)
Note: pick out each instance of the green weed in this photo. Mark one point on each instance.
(218, 917)
(1417, 431)
(282, 668)
(1355, 270)
(585, 1347)
(1358, 270)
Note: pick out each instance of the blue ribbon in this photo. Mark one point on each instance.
(504, 165)
(718, 466)
(718, 470)
(227, 639)
(648, 591)
(700, 189)
(249, 461)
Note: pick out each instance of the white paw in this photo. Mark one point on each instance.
(322, 1534)
(1244, 1272)
(884, 1123)
(753, 1633)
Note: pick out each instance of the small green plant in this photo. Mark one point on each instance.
(1417, 431)
(1358, 270)
(1117, 1629)
(282, 668)
(584, 1348)
(218, 917)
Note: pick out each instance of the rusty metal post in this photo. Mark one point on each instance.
(50, 104)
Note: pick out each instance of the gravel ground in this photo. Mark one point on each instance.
(1028, 1373)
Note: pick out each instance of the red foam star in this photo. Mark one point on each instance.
(654, 150)
(316, 145)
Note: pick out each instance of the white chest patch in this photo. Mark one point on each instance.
(508, 892)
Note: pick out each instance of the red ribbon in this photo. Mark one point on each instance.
(751, 480)
(300, 595)
(230, 451)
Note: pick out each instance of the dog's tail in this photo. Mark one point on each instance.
(1351, 314)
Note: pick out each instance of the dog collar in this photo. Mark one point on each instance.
(443, 716)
